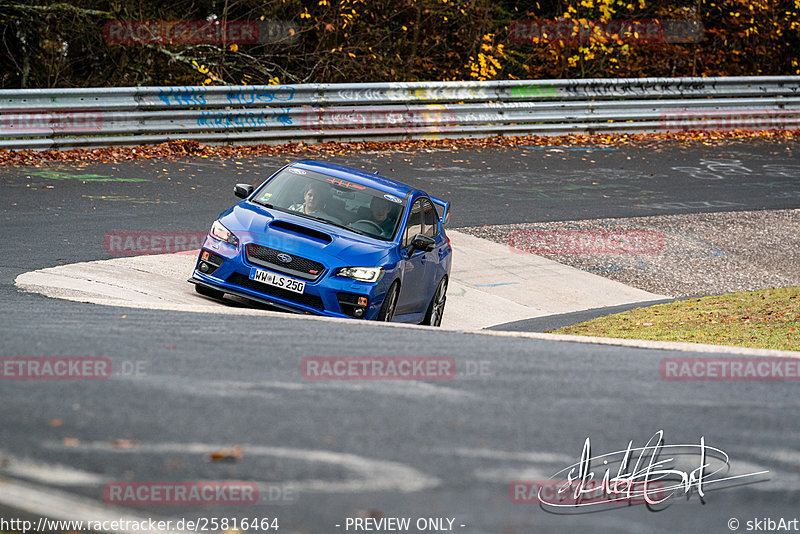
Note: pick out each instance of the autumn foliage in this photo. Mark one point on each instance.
(50, 43)
(185, 148)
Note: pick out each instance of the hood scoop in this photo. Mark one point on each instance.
(296, 229)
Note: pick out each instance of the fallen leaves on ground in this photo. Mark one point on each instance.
(234, 454)
(184, 147)
(120, 443)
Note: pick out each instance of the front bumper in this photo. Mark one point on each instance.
(228, 270)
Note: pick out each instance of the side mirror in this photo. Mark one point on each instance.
(243, 190)
(423, 242)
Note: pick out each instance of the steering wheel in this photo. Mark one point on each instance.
(372, 224)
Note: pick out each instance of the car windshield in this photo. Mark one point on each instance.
(351, 205)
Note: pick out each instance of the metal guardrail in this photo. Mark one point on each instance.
(69, 118)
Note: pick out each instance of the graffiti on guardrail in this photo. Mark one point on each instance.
(726, 120)
(527, 91)
(44, 122)
(411, 93)
(182, 96)
(623, 88)
(354, 95)
(280, 93)
(443, 93)
(416, 108)
(245, 119)
(435, 117)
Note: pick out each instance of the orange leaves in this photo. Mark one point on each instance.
(231, 455)
(183, 148)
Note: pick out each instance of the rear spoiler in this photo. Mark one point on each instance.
(445, 206)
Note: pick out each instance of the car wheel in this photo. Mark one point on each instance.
(208, 292)
(433, 317)
(389, 303)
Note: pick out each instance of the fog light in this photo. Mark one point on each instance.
(203, 267)
(358, 312)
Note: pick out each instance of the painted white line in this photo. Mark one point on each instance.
(495, 454)
(52, 474)
(368, 474)
(645, 344)
(60, 505)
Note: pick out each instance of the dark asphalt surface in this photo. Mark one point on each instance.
(549, 323)
(212, 381)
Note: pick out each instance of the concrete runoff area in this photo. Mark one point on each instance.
(696, 254)
(489, 285)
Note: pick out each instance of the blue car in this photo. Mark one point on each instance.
(330, 240)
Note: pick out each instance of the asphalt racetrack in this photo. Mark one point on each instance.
(186, 385)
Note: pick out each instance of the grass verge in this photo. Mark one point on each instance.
(765, 319)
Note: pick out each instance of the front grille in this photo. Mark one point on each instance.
(304, 299)
(298, 267)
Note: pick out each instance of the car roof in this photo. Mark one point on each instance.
(355, 175)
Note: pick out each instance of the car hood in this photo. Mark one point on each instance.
(304, 237)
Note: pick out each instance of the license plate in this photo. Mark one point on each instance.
(277, 280)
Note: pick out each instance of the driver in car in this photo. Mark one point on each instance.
(380, 210)
(313, 201)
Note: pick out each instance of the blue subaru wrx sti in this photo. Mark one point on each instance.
(331, 240)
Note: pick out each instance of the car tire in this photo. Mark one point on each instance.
(433, 317)
(208, 292)
(389, 303)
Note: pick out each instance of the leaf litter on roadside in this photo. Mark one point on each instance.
(188, 148)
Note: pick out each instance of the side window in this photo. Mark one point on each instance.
(430, 219)
(414, 226)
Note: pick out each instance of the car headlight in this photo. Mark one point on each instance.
(362, 274)
(220, 233)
